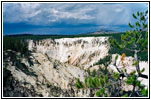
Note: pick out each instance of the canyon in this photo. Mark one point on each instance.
(54, 65)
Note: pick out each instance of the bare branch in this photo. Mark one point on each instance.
(143, 76)
(139, 75)
(126, 75)
(139, 38)
(143, 51)
(122, 74)
(129, 50)
(117, 67)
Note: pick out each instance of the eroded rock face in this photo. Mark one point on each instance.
(81, 52)
(52, 68)
(48, 77)
(54, 65)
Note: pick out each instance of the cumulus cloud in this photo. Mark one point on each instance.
(70, 13)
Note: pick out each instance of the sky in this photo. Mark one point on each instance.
(67, 18)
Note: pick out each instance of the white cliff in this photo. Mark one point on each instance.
(45, 72)
(82, 52)
(54, 65)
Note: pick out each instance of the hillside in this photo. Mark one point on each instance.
(53, 66)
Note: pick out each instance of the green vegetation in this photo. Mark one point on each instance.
(40, 37)
(142, 55)
(18, 43)
(134, 41)
(106, 60)
(15, 44)
(19, 49)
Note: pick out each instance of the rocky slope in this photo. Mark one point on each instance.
(130, 67)
(53, 66)
(82, 52)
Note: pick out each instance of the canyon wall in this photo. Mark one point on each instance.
(82, 52)
(54, 65)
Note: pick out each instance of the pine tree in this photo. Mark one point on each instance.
(135, 41)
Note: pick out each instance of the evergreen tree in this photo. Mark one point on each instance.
(135, 41)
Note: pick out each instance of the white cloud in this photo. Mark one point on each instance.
(47, 13)
(75, 15)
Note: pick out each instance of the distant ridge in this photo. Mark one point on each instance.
(25, 34)
(103, 31)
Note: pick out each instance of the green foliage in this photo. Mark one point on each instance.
(134, 16)
(135, 63)
(96, 81)
(146, 12)
(125, 95)
(143, 70)
(100, 83)
(105, 78)
(138, 13)
(105, 95)
(144, 92)
(137, 24)
(103, 85)
(131, 26)
(18, 45)
(92, 82)
(94, 73)
(86, 81)
(135, 39)
(131, 80)
(100, 92)
(116, 57)
(79, 84)
(138, 83)
(106, 60)
(116, 75)
(132, 42)
(132, 73)
(116, 49)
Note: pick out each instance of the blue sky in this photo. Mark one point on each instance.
(67, 18)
